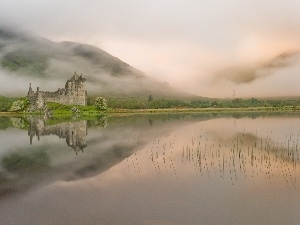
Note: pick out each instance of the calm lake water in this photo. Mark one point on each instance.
(151, 170)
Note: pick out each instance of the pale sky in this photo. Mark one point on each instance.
(209, 48)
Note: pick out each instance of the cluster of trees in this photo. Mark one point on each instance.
(150, 102)
(135, 103)
(254, 102)
(161, 103)
(6, 103)
(19, 105)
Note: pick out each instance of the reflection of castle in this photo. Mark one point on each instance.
(74, 132)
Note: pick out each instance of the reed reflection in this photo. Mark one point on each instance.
(245, 155)
(235, 154)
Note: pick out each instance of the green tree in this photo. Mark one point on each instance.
(150, 98)
(5, 103)
(19, 105)
(101, 103)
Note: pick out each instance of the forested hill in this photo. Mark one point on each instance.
(39, 60)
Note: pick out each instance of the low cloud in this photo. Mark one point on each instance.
(249, 73)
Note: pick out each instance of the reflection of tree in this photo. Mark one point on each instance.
(101, 121)
(26, 163)
(150, 122)
(5, 122)
(19, 122)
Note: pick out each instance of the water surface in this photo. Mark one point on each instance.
(151, 169)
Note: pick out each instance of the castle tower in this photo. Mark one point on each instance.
(30, 92)
(75, 90)
(75, 76)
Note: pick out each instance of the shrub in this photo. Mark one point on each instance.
(19, 105)
(5, 103)
(101, 103)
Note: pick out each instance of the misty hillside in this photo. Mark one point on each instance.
(50, 64)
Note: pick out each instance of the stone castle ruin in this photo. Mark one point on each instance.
(74, 93)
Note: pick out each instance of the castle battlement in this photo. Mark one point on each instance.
(74, 93)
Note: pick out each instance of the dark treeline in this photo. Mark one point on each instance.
(5, 103)
(161, 103)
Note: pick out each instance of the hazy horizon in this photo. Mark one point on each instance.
(212, 49)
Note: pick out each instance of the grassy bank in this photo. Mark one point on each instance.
(152, 105)
(185, 110)
(161, 103)
(87, 111)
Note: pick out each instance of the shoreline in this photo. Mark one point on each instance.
(185, 110)
(169, 110)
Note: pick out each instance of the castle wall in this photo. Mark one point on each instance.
(74, 93)
(75, 99)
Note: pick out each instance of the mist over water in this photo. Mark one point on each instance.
(151, 169)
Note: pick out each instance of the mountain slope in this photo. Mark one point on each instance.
(39, 60)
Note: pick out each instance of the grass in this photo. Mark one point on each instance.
(185, 110)
(65, 111)
(59, 110)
